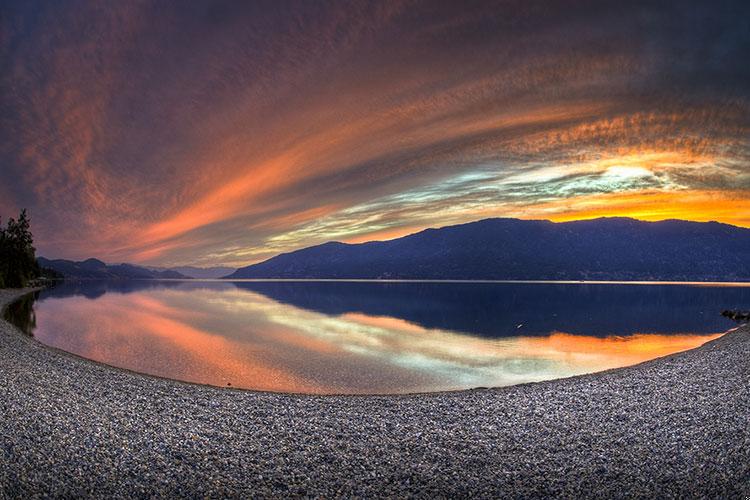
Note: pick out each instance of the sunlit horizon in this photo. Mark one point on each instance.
(385, 235)
(226, 134)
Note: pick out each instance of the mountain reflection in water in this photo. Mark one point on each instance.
(339, 337)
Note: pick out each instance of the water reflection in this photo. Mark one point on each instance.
(371, 337)
(497, 309)
(21, 313)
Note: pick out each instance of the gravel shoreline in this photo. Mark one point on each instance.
(673, 427)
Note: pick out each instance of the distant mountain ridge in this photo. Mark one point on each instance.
(96, 269)
(198, 272)
(614, 248)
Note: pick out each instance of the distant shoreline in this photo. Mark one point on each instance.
(376, 280)
(640, 430)
(550, 282)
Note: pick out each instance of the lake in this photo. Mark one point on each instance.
(373, 337)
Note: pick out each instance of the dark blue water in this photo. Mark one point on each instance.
(365, 337)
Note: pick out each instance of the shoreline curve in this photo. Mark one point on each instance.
(17, 294)
(70, 426)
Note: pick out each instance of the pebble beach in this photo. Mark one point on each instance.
(677, 426)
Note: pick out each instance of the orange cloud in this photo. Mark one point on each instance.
(731, 206)
(153, 135)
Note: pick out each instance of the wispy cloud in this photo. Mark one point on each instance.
(225, 132)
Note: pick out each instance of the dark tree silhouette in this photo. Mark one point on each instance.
(21, 313)
(17, 254)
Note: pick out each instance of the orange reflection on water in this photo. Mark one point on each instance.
(142, 333)
(609, 352)
(499, 359)
(251, 341)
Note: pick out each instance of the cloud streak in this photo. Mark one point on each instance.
(224, 133)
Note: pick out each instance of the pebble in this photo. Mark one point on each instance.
(668, 428)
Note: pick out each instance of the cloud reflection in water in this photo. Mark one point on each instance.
(221, 335)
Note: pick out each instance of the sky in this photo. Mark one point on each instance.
(207, 133)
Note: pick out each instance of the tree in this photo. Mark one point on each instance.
(3, 258)
(17, 254)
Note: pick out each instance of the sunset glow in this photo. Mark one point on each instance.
(225, 133)
(227, 336)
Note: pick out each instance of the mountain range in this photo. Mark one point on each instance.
(198, 272)
(614, 248)
(96, 269)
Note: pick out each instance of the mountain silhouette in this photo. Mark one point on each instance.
(512, 249)
(96, 269)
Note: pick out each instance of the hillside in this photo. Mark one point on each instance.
(502, 249)
(198, 272)
(96, 269)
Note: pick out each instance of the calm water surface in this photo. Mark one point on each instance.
(345, 337)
